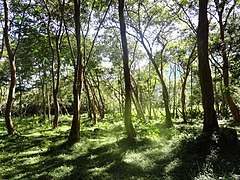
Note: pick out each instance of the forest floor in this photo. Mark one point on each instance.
(181, 152)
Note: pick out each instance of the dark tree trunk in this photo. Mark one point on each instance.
(210, 121)
(78, 78)
(127, 113)
(12, 63)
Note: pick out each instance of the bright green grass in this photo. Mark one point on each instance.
(104, 153)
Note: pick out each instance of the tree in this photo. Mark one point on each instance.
(78, 78)
(12, 62)
(220, 7)
(210, 121)
(55, 73)
(127, 78)
(153, 29)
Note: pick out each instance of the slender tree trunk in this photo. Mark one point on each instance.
(102, 110)
(12, 63)
(191, 93)
(127, 113)
(184, 83)
(90, 103)
(160, 75)
(94, 101)
(48, 104)
(175, 92)
(210, 121)
(149, 84)
(55, 80)
(56, 89)
(138, 106)
(233, 107)
(183, 97)
(137, 102)
(44, 91)
(164, 91)
(20, 97)
(78, 78)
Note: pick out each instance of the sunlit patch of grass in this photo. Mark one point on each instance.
(61, 171)
(35, 134)
(31, 160)
(138, 159)
(100, 171)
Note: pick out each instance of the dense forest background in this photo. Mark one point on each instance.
(126, 79)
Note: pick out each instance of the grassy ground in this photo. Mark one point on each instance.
(39, 152)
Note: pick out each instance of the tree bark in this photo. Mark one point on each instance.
(12, 63)
(127, 113)
(210, 121)
(78, 78)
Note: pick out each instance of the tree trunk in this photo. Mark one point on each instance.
(55, 87)
(90, 103)
(191, 93)
(127, 113)
(160, 75)
(183, 97)
(48, 104)
(44, 92)
(78, 78)
(102, 110)
(137, 102)
(12, 63)
(233, 107)
(175, 92)
(210, 121)
(184, 83)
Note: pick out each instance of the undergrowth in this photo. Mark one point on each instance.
(181, 152)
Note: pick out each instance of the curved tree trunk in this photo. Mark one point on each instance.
(12, 62)
(233, 107)
(210, 121)
(127, 114)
